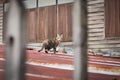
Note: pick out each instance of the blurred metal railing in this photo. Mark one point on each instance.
(15, 41)
(80, 39)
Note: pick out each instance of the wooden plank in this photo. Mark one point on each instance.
(1, 10)
(1, 18)
(1, 24)
(1, 21)
(96, 14)
(66, 43)
(1, 38)
(96, 21)
(96, 26)
(65, 21)
(112, 12)
(1, 30)
(101, 5)
(1, 41)
(96, 18)
(112, 42)
(104, 46)
(95, 34)
(31, 29)
(95, 2)
(51, 24)
(96, 30)
(96, 10)
(95, 38)
(1, 15)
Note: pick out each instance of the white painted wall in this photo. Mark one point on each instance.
(30, 3)
(41, 3)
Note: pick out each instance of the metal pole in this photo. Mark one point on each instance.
(57, 16)
(80, 39)
(15, 42)
(37, 20)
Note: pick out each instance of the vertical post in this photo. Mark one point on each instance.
(15, 42)
(37, 21)
(57, 17)
(80, 39)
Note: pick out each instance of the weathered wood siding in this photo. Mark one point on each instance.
(47, 23)
(1, 23)
(42, 22)
(31, 25)
(96, 25)
(112, 18)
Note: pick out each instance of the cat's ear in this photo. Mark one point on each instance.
(61, 35)
(58, 35)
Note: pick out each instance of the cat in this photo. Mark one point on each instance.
(49, 44)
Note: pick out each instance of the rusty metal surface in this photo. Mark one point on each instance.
(41, 72)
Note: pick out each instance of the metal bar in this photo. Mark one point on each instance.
(15, 41)
(80, 39)
(37, 20)
(57, 16)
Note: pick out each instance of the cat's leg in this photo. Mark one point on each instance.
(46, 50)
(41, 48)
(54, 50)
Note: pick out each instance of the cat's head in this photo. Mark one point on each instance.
(59, 37)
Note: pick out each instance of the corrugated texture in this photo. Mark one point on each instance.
(96, 25)
(1, 23)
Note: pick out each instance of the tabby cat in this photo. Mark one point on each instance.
(49, 44)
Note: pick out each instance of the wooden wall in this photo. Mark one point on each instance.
(31, 25)
(112, 18)
(96, 25)
(1, 23)
(42, 22)
(47, 23)
(65, 21)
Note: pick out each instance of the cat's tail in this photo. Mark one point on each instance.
(41, 48)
